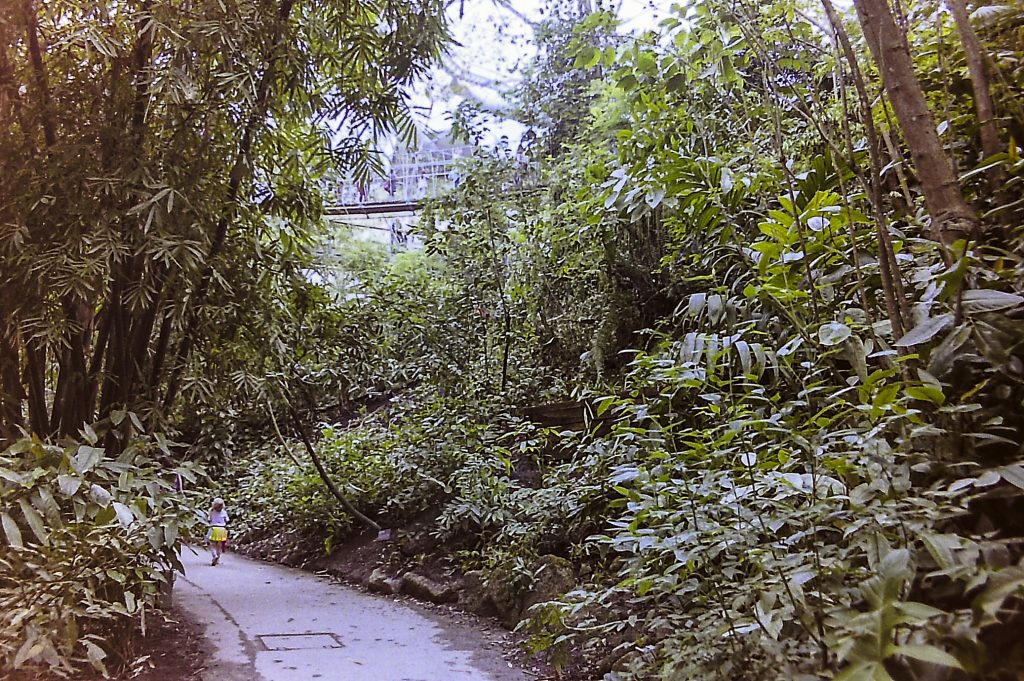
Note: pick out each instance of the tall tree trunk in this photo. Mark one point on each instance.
(12, 394)
(892, 288)
(975, 56)
(71, 396)
(35, 377)
(952, 218)
(98, 353)
(39, 72)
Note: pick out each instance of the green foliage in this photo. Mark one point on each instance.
(163, 187)
(801, 450)
(90, 544)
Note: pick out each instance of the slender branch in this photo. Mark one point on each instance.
(280, 437)
(346, 504)
(975, 57)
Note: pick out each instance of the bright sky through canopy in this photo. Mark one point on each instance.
(494, 45)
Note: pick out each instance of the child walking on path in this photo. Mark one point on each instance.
(218, 535)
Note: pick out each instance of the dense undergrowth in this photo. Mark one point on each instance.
(92, 541)
(799, 455)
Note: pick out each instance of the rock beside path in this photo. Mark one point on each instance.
(383, 583)
(427, 589)
(510, 595)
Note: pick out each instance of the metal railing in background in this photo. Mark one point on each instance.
(413, 176)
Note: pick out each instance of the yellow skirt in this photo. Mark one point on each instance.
(218, 534)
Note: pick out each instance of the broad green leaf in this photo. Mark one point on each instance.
(941, 547)
(1013, 474)
(716, 308)
(918, 611)
(927, 393)
(926, 653)
(100, 495)
(34, 520)
(941, 359)
(12, 476)
(124, 514)
(925, 331)
(696, 304)
(977, 301)
(833, 333)
(896, 565)
(86, 459)
(89, 435)
(68, 484)
(11, 530)
(743, 349)
(96, 656)
(587, 57)
(155, 536)
(28, 650)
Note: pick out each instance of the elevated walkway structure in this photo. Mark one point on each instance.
(386, 209)
(412, 177)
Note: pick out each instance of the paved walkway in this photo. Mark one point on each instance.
(271, 623)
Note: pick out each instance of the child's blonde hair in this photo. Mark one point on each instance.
(218, 504)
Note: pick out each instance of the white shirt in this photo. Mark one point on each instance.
(219, 518)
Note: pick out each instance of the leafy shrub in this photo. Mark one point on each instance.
(756, 532)
(90, 543)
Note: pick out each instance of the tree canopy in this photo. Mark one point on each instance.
(160, 180)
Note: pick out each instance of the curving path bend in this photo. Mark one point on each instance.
(266, 622)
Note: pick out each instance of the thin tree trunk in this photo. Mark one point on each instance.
(952, 218)
(35, 377)
(71, 395)
(8, 86)
(114, 366)
(39, 72)
(346, 504)
(12, 394)
(160, 353)
(505, 314)
(975, 56)
(98, 353)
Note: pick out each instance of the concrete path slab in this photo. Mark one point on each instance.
(271, 623)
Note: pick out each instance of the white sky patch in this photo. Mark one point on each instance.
(494, 45)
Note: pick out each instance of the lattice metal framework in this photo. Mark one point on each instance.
(413, 176)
